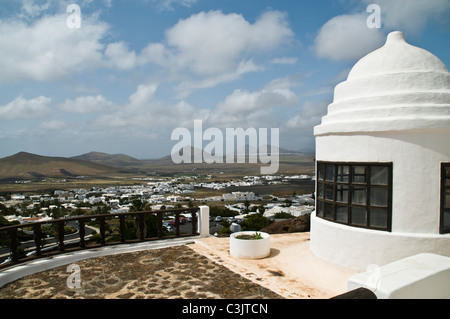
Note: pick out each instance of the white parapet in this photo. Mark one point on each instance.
(422, 276)
(203, 221)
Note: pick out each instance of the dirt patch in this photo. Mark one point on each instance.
(176, 272)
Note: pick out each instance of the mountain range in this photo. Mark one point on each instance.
(28, 166)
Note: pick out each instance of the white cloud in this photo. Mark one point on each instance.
(211, 43)
(169, 4)
(347, 38)
(55, 125)
(309, 116)
(298, 131)
(186, 86)
(156, 53)
(143, 95)
(143, 111)
(47, 49)
(145, 114)
(87, 104)
(412, 15)
(284, 60)
(201, 51)
(31, 9)
(243, 108)
(287, 82)
(22, 108)
(243, 102)
(210, 48)
(119, 56)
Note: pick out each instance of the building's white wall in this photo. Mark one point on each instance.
(357, 248)
(416, 158)
(393, 107)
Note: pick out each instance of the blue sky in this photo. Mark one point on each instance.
(135, 70)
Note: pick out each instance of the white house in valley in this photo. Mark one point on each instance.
(383, 160)
(237, 196)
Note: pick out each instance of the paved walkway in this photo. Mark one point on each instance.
(291, 270)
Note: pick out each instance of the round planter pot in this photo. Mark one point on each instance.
(249, 248)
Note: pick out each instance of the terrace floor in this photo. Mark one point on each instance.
(291, 270)
(200, 269)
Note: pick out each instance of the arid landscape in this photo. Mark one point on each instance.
(26, 172)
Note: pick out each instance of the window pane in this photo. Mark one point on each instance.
(447, 199)
(320, 208)
(342, 214)
(379, 175)
(378, 196)
(359, 216)
(342, 173)
(447, 220)
(329, 192)
(342, 193)
(321, 171)
(378, 217)
(330, 173)
(320, 190)
(359, 195)
(329, 211)
(347, 193)
(359, 174)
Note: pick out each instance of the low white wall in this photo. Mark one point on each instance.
(422, 276)
(357, 248)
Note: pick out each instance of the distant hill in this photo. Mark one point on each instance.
(120, 160)
(27, 166)
(290, 162)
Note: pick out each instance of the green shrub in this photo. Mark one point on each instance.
(283, 215)
(255, 222)
(225, 230)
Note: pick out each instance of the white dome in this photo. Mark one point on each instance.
(397, 87)
(396, 56)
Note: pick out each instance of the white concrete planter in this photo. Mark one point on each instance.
(249, 248)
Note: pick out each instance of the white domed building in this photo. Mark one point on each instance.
(383, 160)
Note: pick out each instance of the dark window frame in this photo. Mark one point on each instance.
(347, 182)
(444, 190)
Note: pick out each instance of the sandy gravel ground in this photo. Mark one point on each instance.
(176, 272)
(204, 269)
